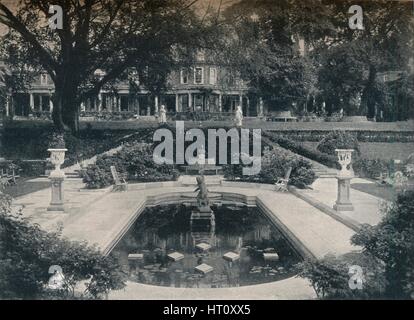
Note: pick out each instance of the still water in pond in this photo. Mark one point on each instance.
(240, 248)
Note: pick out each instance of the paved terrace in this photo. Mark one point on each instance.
(102, 218)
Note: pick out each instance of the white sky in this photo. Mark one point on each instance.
(201, 6)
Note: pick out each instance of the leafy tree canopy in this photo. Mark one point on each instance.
(97, 35)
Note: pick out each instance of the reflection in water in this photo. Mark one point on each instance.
(243, 231)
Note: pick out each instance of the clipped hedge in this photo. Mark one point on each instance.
(361, 135)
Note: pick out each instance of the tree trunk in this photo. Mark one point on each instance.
(57, 112)
(66, 108)
(368, 94)
(70, 115)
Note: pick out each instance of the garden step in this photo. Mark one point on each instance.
(191, 180)
(72, 175)
(327, 175)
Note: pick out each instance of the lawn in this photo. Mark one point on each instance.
(25, 186)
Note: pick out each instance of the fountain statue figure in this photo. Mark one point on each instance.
(203, 202)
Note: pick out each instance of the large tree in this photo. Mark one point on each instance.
(350, 59)
(265, 46)
(108, 35)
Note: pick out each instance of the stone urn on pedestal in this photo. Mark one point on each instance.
(57, 176)
(343, 202)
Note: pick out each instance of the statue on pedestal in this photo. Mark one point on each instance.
(238, 119)
(163, 115)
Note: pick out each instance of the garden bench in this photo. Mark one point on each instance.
(283, 119)
(120, 183)
(282, 183)
(8, 176)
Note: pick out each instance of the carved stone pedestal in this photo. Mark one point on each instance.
(56, 204)
(57, 176)
(343, 202)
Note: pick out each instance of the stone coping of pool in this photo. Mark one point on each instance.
(292, 288)
(225, 183)
(312, 232)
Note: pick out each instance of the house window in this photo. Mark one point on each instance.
(198, 75)
(184, 76)
(200, 56)
(43, 79)
(213, 75)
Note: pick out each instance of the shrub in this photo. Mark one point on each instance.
(338, 140)
(392, 241)
(274, 166)
(57, 141)
(330, 276)
(370, 168)
(387, 259)
(27, 253)
(96, 178)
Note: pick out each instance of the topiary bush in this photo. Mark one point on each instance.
(338, 140)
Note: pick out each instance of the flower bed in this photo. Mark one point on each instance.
(274, 166)
(134, 162)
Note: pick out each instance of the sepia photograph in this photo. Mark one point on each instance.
(185, 151)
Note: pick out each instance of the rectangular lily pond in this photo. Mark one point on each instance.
(238, 247)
